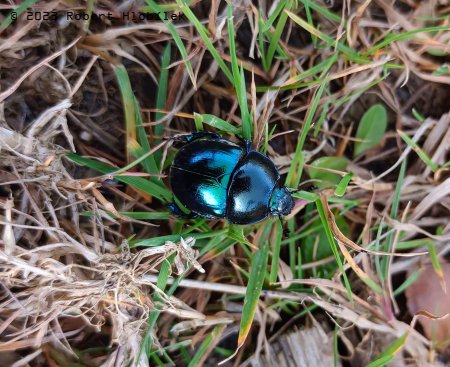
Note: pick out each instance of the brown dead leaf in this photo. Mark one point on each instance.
(426, 294)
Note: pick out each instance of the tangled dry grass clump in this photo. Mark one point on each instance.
(84, 281)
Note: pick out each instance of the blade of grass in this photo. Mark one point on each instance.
(261, 45)
(381, 361)
(176, 37)
(295, 172)
(276, 241)
(408, 281)
(341, 188)
(422, 155)
(246, 117)
(238, 79)
(322, 117)
(198, 120)
(16, 12)
(133, 123)
(204, 36)
(274, 41)
(437, 266)
(236, 233)
(220, 124)
(403, 36)
(352, 54)
(390, 351)
(291, 83)
(268, 23)
(393, 215)
(309, 19)
(253, 291)
(335, 347)
(139, 183)
(163, 277)
(147, 215)
(162, 95)
(322, 10)
(135, 215)
(206, 347)
(254, 287)
(158, 241)
(127, 101)
(333, 246)
(406, 245)
(359, 91)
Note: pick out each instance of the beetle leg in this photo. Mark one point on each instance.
(246, 143)
(175, 209)
(194, 136)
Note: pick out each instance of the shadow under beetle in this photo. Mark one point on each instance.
(216, 178)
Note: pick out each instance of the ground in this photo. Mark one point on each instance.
(350, 101)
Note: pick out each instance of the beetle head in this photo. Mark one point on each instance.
(281, 202)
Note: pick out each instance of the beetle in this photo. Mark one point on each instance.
(216, 178)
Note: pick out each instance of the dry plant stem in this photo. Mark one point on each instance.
(17, 84)
(346, 241)
(227, 288)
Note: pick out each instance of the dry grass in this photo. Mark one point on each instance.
(72, 289)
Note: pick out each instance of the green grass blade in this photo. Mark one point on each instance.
(147, 215)
(162, 90)
(390, 38)
(436, 265)
(161, 283)
(133, 123)
(246, 117)
(261, 45)
(254, 287)
(239, 79)
(322, 118)
(219, 124)
(292, 83)
(206, 347)
(15, 13)
(139, 183)
(408, 281)
(343, 100)
(198, 120)
(176, 37)
(268, 23)
(295, 172)
(204, 36)
(381, 361)
(393, 214)
(127, 101)
(390, 351)
(422, 155)
(135, 215)
(351, 54)
(334, 248)
(275, 39)
(158, 241)
(309, 19)
(341, 188)
(276, 241)
(322, 10)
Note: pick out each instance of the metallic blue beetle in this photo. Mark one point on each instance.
(216, 178)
